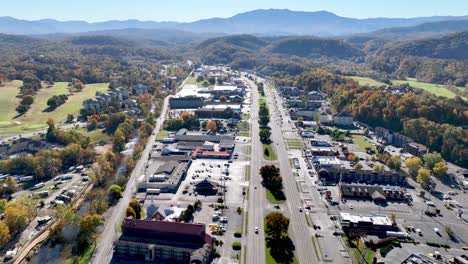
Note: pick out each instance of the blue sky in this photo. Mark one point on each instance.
(190, 10)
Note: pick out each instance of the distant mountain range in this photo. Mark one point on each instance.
(259, 22)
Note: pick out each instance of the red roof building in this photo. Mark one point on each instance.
(161, 241)
(200, 154)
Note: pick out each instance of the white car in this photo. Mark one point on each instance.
(256, 230)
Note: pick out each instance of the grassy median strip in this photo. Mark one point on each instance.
(315, 249)
(268, 152)
(272, 199)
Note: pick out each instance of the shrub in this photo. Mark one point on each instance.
(236, 245)
(237, 234)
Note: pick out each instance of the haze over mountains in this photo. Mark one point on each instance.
(259, 22)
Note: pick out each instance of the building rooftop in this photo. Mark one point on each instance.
(381, 220)
(150, 228)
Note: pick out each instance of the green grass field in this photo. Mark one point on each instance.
(193, 81)
(366, 81)
(96, 135)
(295, 144)
(36, 117)
(162, 134)
(272, 155)
(362, 143)
(8, 103)
(437, 89)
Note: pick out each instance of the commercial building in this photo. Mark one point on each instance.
(216, 112)
(206, 187)
(373, 192)
(332, 174)
(372, 224)
(184, 136)
(201, 154)
(163, 213)
(186, 102)
(332, 170)
(163, 242)
(167, 178)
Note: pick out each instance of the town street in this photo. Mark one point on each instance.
(113, 217)
(256, 200)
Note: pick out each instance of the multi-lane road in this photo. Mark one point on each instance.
(299, 229)
(256, 200)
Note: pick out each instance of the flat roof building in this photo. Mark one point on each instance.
(163, 242)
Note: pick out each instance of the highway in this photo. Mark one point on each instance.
(113, 217)
(299, 229)
(256, 201)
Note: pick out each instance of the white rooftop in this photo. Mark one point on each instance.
(374, 219)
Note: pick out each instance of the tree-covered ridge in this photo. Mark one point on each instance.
(315, 47)
(452, 46)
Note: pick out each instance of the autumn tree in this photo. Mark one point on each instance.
(440, 169)
(211, 125)
(3, 205)
(394, 162)
(431, 159)
(119, 141)
(130, 213)
(18, 214)
(11, 184)
(276, 225)
(88, 225)
(413, 164)
(47, 163)
(136, 206)
(114, 193)
(4, 234)
(424, 177)
(378, 167)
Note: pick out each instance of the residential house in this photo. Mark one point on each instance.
(288, 91)
(140, 89)
(315, 96)
(343, 119)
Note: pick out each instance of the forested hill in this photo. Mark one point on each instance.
(100, 41)
(453, 46)
(309, 47)
(315, 47)
(242, 41)
(425, 30)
